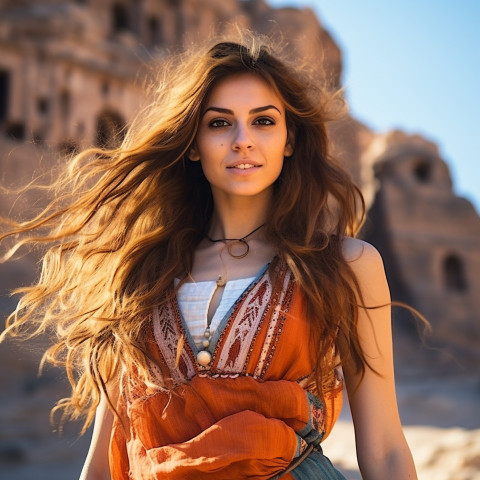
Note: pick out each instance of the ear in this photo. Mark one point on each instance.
(193, 154)
(288, 151)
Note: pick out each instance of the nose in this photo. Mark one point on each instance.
(243, 140)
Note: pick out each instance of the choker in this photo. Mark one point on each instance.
(231, 243)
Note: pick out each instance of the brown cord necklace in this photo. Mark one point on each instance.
(235, 243)
(204, 356)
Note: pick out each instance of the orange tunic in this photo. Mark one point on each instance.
(246, 415)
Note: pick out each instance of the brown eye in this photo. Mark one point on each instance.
(218, 123)
(264, 121)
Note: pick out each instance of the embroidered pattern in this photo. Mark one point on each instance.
(240, 332)
(318, 417)
(282, 301)
(314, 430)
(167, 332)
(301, 447)
(236, 342)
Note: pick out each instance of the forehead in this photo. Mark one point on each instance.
(245, 89)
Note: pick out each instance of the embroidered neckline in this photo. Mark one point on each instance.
(226, 319)
(236, 335)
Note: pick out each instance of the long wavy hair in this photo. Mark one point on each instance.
(126, 221)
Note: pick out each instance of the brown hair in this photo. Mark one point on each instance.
(127, 221)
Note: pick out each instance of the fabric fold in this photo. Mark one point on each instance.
(216, 453)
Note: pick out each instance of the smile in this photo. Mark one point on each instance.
(243, 166)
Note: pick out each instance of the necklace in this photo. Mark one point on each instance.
(231, 243)
(204, 357)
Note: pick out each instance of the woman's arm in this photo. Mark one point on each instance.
(382, 450)
(96, 464)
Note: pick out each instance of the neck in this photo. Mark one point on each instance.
(235, 218)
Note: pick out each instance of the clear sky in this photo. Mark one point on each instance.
(413, 65)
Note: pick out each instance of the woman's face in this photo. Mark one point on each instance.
(242, 137)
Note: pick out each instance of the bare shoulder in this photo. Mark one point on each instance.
(360, 253)
(367, 265)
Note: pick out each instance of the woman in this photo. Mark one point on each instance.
(207, 291)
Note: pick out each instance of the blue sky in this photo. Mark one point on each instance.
(415, 66)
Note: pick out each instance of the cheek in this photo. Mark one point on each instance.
(281, 147)
(210, 146)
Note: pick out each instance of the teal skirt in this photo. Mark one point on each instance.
(316, 467)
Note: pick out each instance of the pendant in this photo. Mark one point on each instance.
(238, 248)
(221, 281)
(204, 358)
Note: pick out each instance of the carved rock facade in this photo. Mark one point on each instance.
(429, 238)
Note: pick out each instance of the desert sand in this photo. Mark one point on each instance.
(441, 418)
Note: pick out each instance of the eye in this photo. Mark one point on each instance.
(218, 123)
(264, 121)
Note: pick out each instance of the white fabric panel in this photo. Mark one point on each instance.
(194, 299)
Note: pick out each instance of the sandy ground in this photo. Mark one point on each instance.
(441, 419)
(439, 453)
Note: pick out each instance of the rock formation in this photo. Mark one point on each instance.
(429, 238)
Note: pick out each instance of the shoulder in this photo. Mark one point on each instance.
(367, 265)
(357, 252)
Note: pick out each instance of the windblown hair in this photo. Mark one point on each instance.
(126, 221)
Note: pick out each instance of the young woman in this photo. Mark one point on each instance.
(208, 296)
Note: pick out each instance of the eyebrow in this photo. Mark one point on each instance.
(252, 111)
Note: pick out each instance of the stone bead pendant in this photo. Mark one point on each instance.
(204, 358)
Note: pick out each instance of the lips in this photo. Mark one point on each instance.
(244, 165)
